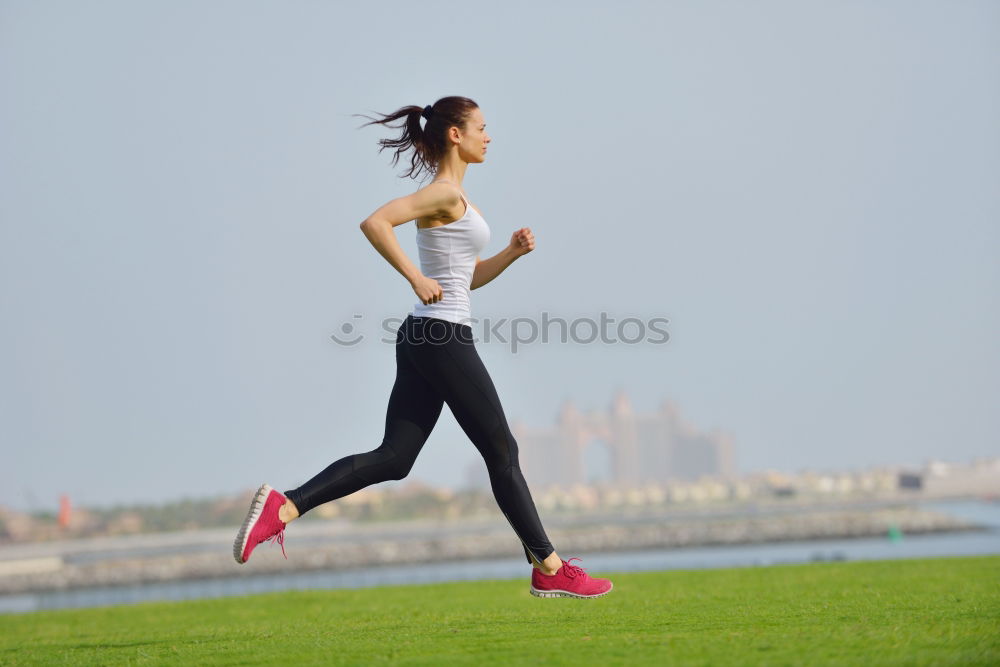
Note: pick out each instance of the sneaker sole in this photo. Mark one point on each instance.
(558, 593)
(256, 507)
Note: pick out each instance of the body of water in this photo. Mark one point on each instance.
(984, 542)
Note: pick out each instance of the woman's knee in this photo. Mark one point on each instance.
(499, 449)
(400, 468)
(387, 463)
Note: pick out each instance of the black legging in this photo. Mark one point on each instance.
(437, 363)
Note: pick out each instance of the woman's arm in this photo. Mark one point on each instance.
(431, 201)
(521, 243)
(379, 233)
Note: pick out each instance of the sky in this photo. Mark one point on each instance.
(809, 192)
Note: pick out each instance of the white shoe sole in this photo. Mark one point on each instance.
(558, 593)
(256, 507)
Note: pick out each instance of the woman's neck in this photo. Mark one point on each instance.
(451, 168)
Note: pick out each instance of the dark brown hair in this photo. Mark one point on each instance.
(428, 142)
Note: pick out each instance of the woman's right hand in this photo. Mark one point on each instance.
(427, 290)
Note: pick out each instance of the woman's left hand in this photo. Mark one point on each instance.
(522, 242)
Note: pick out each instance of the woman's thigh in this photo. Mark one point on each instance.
(457, 373)
(414, 407)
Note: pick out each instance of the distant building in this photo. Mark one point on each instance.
(909, 480)
(637, 448)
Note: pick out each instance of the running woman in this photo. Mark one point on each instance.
(436, 359)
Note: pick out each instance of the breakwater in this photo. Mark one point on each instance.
(339, 545)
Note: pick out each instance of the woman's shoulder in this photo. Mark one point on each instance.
(448, 186)
(451, 201)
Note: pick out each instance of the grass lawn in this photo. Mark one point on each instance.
(914, 612)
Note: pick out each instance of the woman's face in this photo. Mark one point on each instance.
(472, 148)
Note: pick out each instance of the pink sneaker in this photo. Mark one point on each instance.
(569, 582)
(262, 523)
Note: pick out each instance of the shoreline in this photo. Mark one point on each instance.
(344, 546)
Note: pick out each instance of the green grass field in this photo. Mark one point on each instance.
(941, 611)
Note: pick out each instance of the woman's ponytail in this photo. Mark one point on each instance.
(428, 142)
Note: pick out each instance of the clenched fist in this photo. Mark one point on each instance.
(522, 242)
(427, 290)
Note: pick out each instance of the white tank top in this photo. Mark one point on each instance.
(448, 255)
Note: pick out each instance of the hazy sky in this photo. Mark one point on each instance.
(809, 191)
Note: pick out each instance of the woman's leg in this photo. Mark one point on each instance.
(450, 363)
(414, 407)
